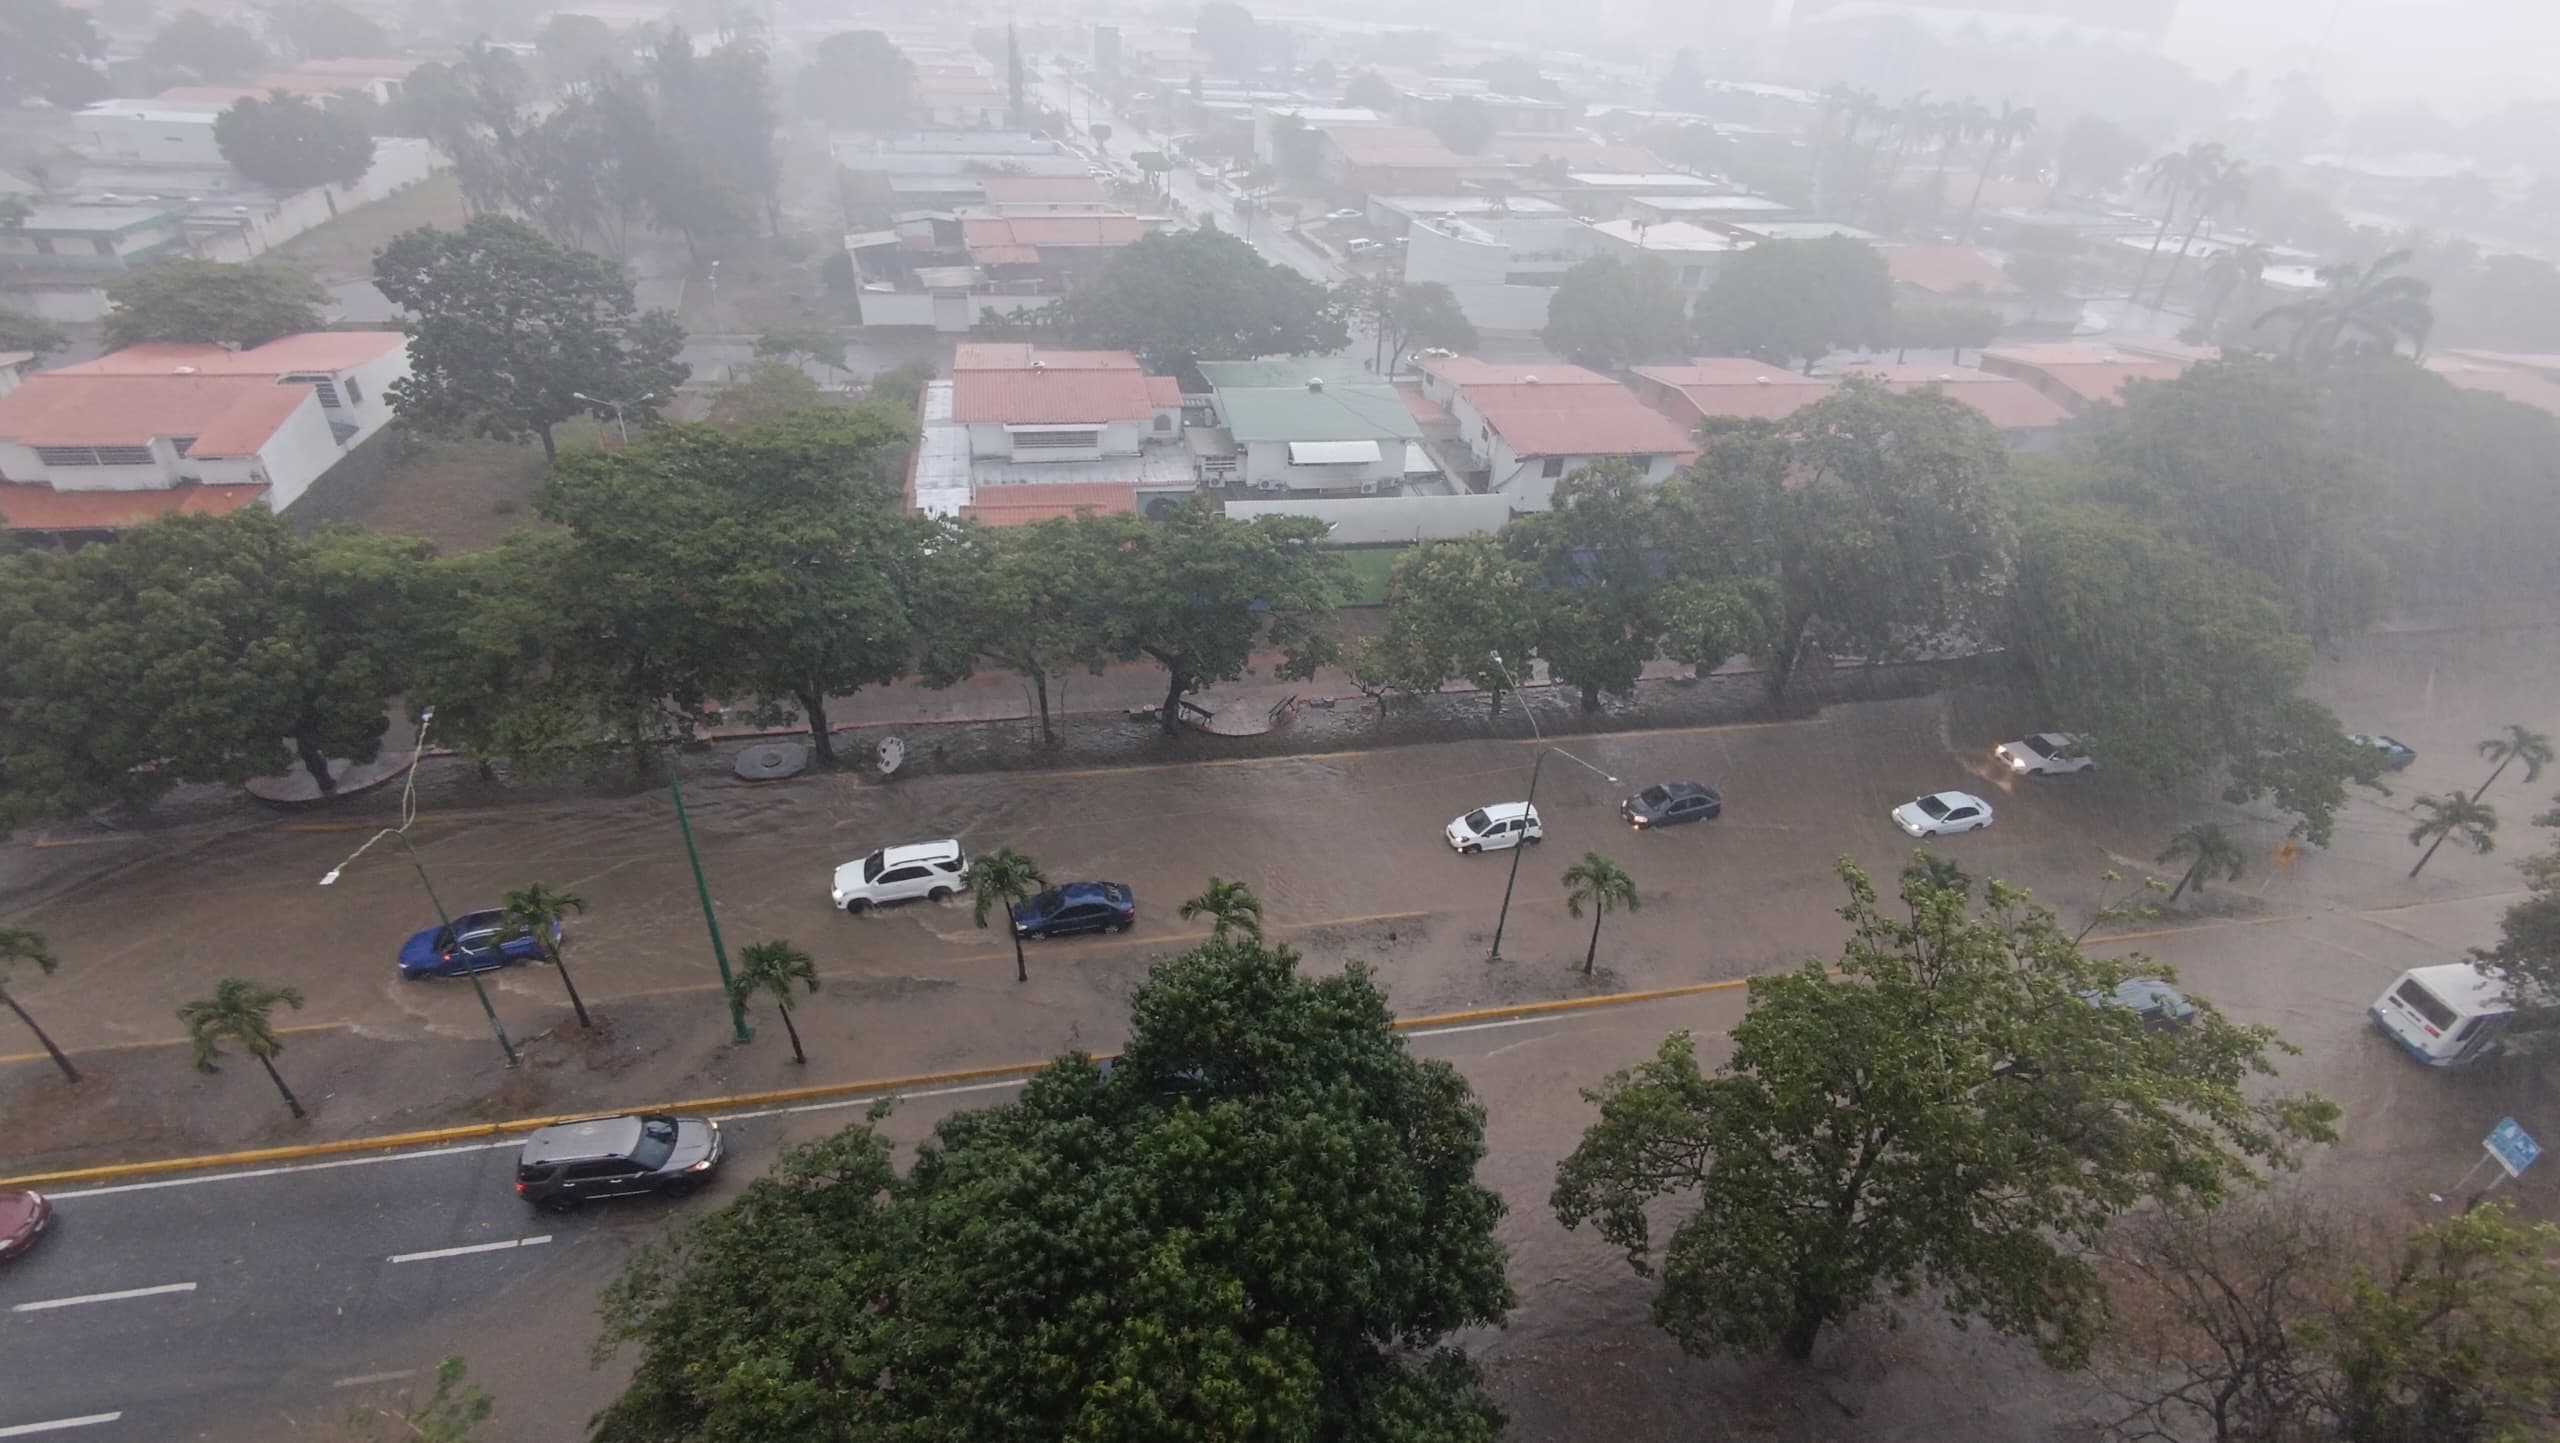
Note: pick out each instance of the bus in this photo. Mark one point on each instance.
(2445, 1015)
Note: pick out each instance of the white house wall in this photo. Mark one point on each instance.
(373, 380)
(1267, 465)
(301, 449)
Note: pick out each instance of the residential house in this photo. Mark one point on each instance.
(1726, 386)
(146, 132)
(1394, 215)
(57, 261)
(1043, 194)
(1562, 152)
(2080, 374)
(13, 369)
(1953, 275)
(1707, 208)
(162, 429)
(1270, 120)
(1316, 426)
(1691, 254)
(1503, 272)
(1017, 433)
(1367, 160)
(2029, 419)
(1610, 194)
(1054, 250)
(1528, 427)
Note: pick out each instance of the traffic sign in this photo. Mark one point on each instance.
(2512, 1146)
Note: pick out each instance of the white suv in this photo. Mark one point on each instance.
(930, 870)
(1490, 829)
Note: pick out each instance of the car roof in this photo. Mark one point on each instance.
(2053, 740)
(2143, 994)
(1504, 811)
(1959, 799)
(1683, 789)
(912, 852)
(595, 1137)
(1073, 892)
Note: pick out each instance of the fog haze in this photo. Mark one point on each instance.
(2463, 57)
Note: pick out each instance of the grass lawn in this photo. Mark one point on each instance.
(343, 249)
(464, 495)
(1368, 568)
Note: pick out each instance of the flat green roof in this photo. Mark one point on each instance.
(1274, 401)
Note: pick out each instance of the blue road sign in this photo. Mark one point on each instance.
(2512, 1146)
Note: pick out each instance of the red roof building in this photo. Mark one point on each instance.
(2079, 374)
(1727, 386)
(2018, 409)
(1528, 427)
(1389, 160)
(1948, 271)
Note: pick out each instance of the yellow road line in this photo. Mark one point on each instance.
(750, 1101)
(295, 1030)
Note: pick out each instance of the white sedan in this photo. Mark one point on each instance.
(2045, 754)
(1943, 814)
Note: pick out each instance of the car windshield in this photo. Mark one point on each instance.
(1654, 796)
(1477, 821)
(657, 1143)
(871, 866)
(1931, 806)
(2040, 746)
(1048, 901)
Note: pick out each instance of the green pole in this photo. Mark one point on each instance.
(446, 921)
(719, 952)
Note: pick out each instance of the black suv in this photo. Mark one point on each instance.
(567, 1164)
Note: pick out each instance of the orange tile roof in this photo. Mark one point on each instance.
(2011, 404)
(228, 415)
(1468, 371)
(1018, 355)
(1051, 230)
(1005, 255)
(1050, 397)
(1948, 270)
(331, 351)
(1164, 390)
(1024, 505)
(42, 508)
(1020, 189)
(1571, 420)
(2093, 373)
(1739, 387)
(1424, 409)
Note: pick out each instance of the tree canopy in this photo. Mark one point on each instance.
(1795, 301)
(289, 143)
(212, 303)
(1198, 592)
(1952, 1111)
(327, 30)
(213, 52)
(1199, 295)
(51, 50)
(1261, 1223)
(1463, 123)
(512, 329)
(1610, 312)
(858, 79)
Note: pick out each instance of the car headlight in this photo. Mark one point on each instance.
(702, 1166)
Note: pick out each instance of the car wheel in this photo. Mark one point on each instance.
(555, 1204)
(1533, 841)
(683, 1187)
(938, 894)
(1121, 926)
(856, 907)
(1469, 850)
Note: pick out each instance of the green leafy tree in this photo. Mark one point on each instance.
(2452, 815)
(2043, 261)
(2527, 952)
(1228, 34)
(1024, 599)
(199, 649)
(1709, 621)
(288, 143)
(761, 562)
(1463, 123)
(1830, 1161)
(326, 30)
(479, 110)
(2095, 155)
(574, 47)
(2516, 744)
(536, 910)
(1230, 907)
(2365, 307)
(1369, 90)
(1408, 315)
(1198, 592)
(902, 385)
(2460, 1339)
(212, 52)
(773, 968)
(2175, 175)
(1600, 884)
(24, 944)
(511, 329)
(2209, 850)
(1879, 518)
(2223, 192)
(20, 331)
(768, 391)
(803, 346)
(1952, 328)
(1610, 312)
(2001, 134)
(49, 49)
(1793, 302)
(238, 1011)
(1684, 86)
(1227, 1298)
(857, 79)
(507, 649)
(1461, 610)
(1199, 295)
(1594, 552)
(995, 881)
(723, 106)
(211, 302)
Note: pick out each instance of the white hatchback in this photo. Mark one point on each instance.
(927, 870)
(1943, 814)
(1490, 829)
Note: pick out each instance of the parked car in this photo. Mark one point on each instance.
(1077, 907)
(2045, 754)
(23, 1218)
(927, 870)
(569, 1163)
(1943, 814)
(1361, 246)
(1346, 213)
(476, 942)
(1668, 804)
(2395, 753)
(1492, 828)
(2163, 1008)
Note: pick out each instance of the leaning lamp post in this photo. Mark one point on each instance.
(409, 815)
(1536, 766)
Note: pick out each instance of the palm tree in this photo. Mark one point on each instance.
(237, 1011)
(2175, 173)
(2224, 190)
(1928, 868)
(1603, 884)
(1229, 906)
(2209, 853)
(771, 968)
(2453, 815)
(2516, 745)
(25, 944)
(996, 881)
(2014, 123)
(536, 912)
(2385, 309)
(1957, 121)
(2245, 264)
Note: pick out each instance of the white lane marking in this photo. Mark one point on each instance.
(115, 1297)
(363, 1380)
(1477, 1026)
(432, 1255)
(21, 1430)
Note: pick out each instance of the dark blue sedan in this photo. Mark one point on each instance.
(1077, 907)
(476, 942)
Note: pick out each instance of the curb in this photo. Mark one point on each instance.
(748, 1101)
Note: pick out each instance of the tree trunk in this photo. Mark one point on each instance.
(1021, 969)
(1782, 666)
(1040, 697)
(278, 1079)
(1797, 1341)
(1591, 954)
(1964, 233)
(813, 704)
(316, 762)
(2430, 854)
(2157, 237)
(1591, 696)
(2180, 890)
(576, 1003)
(793, 1033)
(2161, 301)
(2493, 779)
(1171, 716)
(69, 1072)
(550, 443)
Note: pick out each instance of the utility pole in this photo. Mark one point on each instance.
(710, 919)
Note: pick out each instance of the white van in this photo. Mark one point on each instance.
(2445, 1015)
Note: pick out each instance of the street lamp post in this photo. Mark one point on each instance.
(710, 919)
(444, 919)
(1537, 765)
